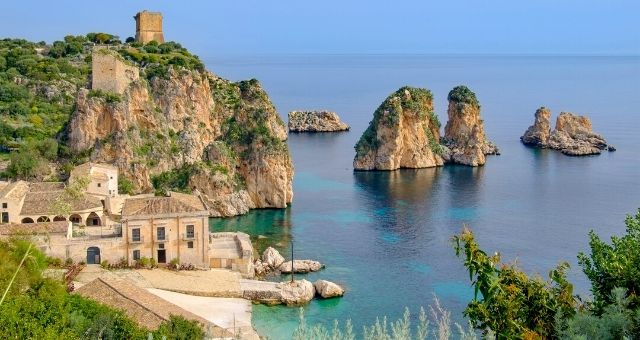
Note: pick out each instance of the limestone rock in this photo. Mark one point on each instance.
(297, 293)
(328, 289)
(300, 266)
(315, 121)
(464, 133)
(226, 138)
(404, 133)
(538, 134)
(574, 136)
(272, 258)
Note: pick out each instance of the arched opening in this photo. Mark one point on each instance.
(44, 219)
(75, 219)
(93, 255)
(93, 220)
(27, 220)
(59, 218)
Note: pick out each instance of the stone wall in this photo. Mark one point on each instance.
(149, 27)
(110, 73)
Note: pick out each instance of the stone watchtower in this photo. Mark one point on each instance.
(149, 27)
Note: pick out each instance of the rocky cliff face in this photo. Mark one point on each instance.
(191, 130)
(538, 134)
(315, 121)
(404, 133)
(573, 134)
(464, 133)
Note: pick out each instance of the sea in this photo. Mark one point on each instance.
(386, 235)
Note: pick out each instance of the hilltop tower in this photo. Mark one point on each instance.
(149, 27)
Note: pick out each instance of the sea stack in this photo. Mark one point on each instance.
(538, 134)
(464, 133)
(404, 133)
(573, 134)
(315, 121)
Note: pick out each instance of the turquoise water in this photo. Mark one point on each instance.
(385, 236)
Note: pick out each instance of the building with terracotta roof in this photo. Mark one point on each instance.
(167, 227)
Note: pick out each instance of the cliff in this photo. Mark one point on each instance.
(404, 133)
(573, 134)
(464, 134)
(185, 129)
(315, 121)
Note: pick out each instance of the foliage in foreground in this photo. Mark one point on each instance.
(40, 308)
(513, 305)
(400, 329)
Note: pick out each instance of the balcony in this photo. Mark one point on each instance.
(139, 239)
(189, 236)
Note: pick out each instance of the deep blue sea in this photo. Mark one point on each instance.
(386, 236)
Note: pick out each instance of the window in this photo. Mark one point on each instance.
(190, 232)
(190, 244)
(99, 185)
(161, 246)
(160, 234)
(4, 205)
(136, 255)
(5, 217)
(135, 234)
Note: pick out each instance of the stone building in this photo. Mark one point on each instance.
(110, 72)
(164, 228)
(149, 27)
(103, 178)
(11, 198)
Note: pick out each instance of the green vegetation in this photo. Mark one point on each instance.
(462, 94)
(125, 186)
(418, 100)
(178, 179)
(109, 97)
(36, 307)
(157, 58)
(30, 160)
(514, 305)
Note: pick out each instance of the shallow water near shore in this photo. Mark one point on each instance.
(385, 236)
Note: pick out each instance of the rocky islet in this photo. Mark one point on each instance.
(573, 134)
(316, 121)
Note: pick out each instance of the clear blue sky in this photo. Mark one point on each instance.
(231, 27)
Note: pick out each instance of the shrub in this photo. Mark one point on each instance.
(143, 262)
(125, 186)
(104, 264)
(174, 264)
(179, 328)
(462, 94)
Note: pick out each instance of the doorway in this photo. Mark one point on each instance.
(93, 255)
(162, 256)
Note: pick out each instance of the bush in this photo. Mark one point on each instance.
(23, 164)
(462, 94)
(104, 264)
(143, 262)
(125, 186)
(174, 264)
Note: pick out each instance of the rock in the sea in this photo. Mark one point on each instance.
(328, 289)
(573, 134)
(272, 258)
(404, 133)
(300, 266)
(315, 121)
(538, 134)
(464, 133)
(297, 293)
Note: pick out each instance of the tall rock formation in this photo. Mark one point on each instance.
(188, 130)
(464, 133)
(538, 134)
(573, 134)
(404, 133)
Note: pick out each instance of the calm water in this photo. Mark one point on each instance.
(385, 235)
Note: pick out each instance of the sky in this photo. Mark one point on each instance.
(259, 27)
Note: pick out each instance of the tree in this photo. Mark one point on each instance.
(63, 204)
(510, 303)
(23, 164)
(614, 265)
